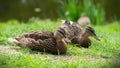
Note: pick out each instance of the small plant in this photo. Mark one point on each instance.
(69, 10)
(95, 13)
(73, 9)
(71, 6)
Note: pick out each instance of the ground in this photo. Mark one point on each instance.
(101, 54)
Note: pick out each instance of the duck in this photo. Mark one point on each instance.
(44, 41)
(79, 36)
(84, 20)
(83, 39)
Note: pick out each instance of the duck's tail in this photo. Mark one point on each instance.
(13, 40)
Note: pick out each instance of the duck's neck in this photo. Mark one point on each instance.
(84, 41)
(83, 38)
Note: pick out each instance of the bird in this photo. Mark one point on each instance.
(84, 20)
(78, 35)
(83, 38)
(44, 41)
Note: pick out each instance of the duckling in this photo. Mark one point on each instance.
(84, 21)
(45, 41)
(83, 38)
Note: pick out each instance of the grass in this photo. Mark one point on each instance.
(101, 54)
(73, 9)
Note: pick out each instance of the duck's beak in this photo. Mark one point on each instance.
(96, 37)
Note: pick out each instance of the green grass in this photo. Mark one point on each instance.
(101, 54)
(73, 9)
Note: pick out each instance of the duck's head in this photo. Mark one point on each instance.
(60, 33)
(89, 31)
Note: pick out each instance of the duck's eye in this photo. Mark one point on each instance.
(62, 31)
(90, 29)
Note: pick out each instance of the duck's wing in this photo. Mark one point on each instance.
(37, 35)
(48, 45)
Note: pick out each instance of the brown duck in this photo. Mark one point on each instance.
(79, 36)
(45, 41)
(83, 38)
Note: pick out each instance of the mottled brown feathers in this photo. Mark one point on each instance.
(45, 41)
(38, 35)
(79, 36)
(72, 31)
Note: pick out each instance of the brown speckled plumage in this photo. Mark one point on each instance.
(79, 36)
(42, 34)
(44, 41)
(72, 31)
(83, 38)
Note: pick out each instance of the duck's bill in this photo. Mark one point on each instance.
(67, 40)
(97, 38)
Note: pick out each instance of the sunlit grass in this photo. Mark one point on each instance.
(101, 54)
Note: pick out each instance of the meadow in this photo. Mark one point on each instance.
(101, 54)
